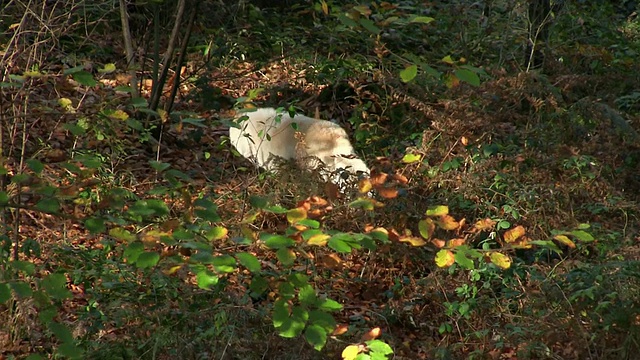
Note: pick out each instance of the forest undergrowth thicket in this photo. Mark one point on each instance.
(500, 220)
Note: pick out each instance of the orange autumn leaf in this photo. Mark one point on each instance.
(372, 334)
(512, 235)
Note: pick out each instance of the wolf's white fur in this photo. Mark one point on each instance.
(268, 135)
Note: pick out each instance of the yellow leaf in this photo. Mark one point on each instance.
(172, 270)
(119, 115)
(501, 260)
(325, 7)
(438, 210)
(217, 233)
(513, 234)
(364, 186)
(65, 103)
(108, 68)
(411, 158)
(565, 241)
(414, 241)
(318, 239)
(447, 222)
(426, 228)
(350, 352)
(444, 258)
(485, 224)
(295, 215)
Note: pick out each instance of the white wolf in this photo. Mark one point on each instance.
(265, 135)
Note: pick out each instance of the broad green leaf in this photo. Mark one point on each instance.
(448, 60)
(22, 289)
(258, 202)
(133, 251)
(438, 210)
(148, 259)
(207, 210)
(122, 234)
(467, 76)
(84, 78)
(444, 258)
(319, 239)
(26, 267)
(293, 326)
(343, 243)
(61, 332)
(315, 336)
(322, 319)
(370, 26)
(159, 166)
(5, 293)
(95, 225)
(582, 235)
(364, 203)
(409, 73)
(274, 241)
(73, 70)
(56, 286)
(379, 346)
(90, 161)
(584, 226)
(286, 256)
(347, 21)
(48, 205)
(462, 259)
(34, 357)
(148, 208)
(70, 350)
(249, 261)
(307, 295)
(206, 279)
(224, 263)
(280, 313)
(35, 165)
(329, 305)
(411, 158)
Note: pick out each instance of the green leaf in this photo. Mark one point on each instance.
(437, 210)
(249, 261)
(329, 305)
(84, 78)
(379, 346)
(411, 158)
(409, 73)
(363, 203)
(34, 357)
(216, 233)
(4, 198)
(48, 205)
(582, 235)
(369, 25)
(148, 208)
(322, 319)
(206, 210)
(293, 325)
(159, 166)
(56, 286)
(224, 263)
(280, 313)
(584, 226)
(147, 259)
(343, 243)
(25, 266)
(462, 260)
(307, 295)
(467, 76)
(74, 129)
(347, 21)
(61, 332)
(22, 289)
(73, 70)
(35, 165)
(206, 279)
(285, 256)
(133, 251)
(5, 293)
(122, 234)
(95, 225)
(258, 202)
(316, 336)
(69, 350)
(274, 241)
